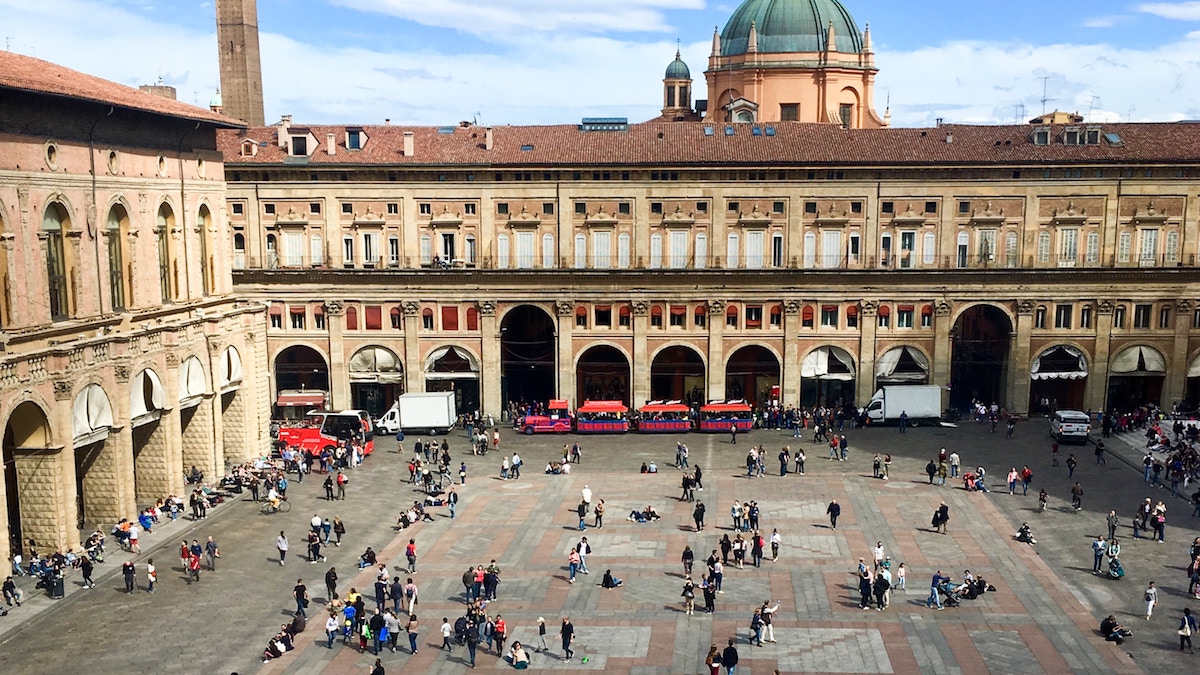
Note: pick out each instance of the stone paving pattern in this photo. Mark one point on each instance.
(1042, 619)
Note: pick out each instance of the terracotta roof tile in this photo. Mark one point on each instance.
(34, 75)
(685, 143)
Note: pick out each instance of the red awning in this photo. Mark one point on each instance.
(309, 398)
(664, 408)
(603, 406)
(726, 407)
(559, 404)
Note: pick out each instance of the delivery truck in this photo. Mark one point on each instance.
(920, 403)
(420, 413)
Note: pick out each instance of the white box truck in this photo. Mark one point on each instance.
(919, 402)
(421, 413)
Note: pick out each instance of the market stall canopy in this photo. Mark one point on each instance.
(902, 364)
(1139, 360)
(603, 407)
(1061, 362)
(192, 385)
(92, 415)
(819, 364)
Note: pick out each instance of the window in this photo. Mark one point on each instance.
(525, 250)
(1062, 316)
(884, 316)
(855, 249)
(656, 250)
(831, 249)
(393, 208)
(296, 314)
(927, 317)
(789, 112)
(314, 207)
(754, 316)
(299, 146)
(928, 249)
(397, 318)
(904, 316)
(269, 209)
(810, 208)
(547, 251)
(754, 249)
(623, 250)
(394, 251)
(1196, 318)
(239, 251)
(116, 236)
(165, 223)
(502, 209)
(373, 317)
(678, 253)
(347, 251)
(580, 251)
(733, 207)
(964, 244)
(425, 209)
(276, 318)
(776, 316)
(1148, 251)
(1041, 136)
(846, 114)
(354, 140)
(931, 207)
(656, 317)
(623, 208)
(1119, 316)
(964, 208)
(427, 319)
(347, 208)
(777, 249)
(58, 267)
(731, 251)
(656, 208)
(1164, 317)
(908, 243)
(472, 253)
(987, 246)
(700, 316)
(887, 207)
(351, 318)
(370, 243)
(604, 316)
(1093, 247)
(1085, 316)
(624, 317)
(810, 250)
(1124, 244)
(293, 249)
(1043, 250)
(807, 316)
(1141, 316)
(731, 316)
(1172, 255)
(852, 317)
(777, 208)
(678, 316)
(581, 317)
(581, 208)
(829, 316)
(238, 208)
(502, 251)
(1039, 317)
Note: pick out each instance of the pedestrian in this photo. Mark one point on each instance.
(698, 516)
(472, 641)
(86, 567)
(331, 579)
(1013, 477)
(339, 528)
(1054, 453)
(572, 565)
(452, 501)
(130, 573)
(581, 510)
(1099, 547)
(300, 594)
(735, 512)
(212, 552)
(499, 633)
(1187, 626)
(584, 549)
(410, 552)
(411, 628)
(1151, 598)
(332, 628)
(567, 634)
(935, 597)
(281, 543)
(901, 578)
(688, 559)
(834, 510)
(598, 511)
(1026, 479)
(447, 631)
(955, 462)
(1077, 495)
(541, 622)
(1071, 464)
(864, 589)
(729, 658)
(776, 540)
(733, 433)
(1113, 520)
(341, 484)
(1100, 453)
(903, 421)
(800, 459)
(151, 575)
(931, 470)
(133, 540)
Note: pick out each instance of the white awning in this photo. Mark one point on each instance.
(146, 398)
(231, 370)
(1049, 365)
(376, 364)
(437, 354)
(1194, 369)
(885, 368)
(1139, 360)
(817, 364)
(92, 415)
(192, 385)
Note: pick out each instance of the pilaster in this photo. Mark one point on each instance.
(641, 357)
(339, 374)
(943, 349)
(489, 359)
(867, 326)
(1175, 384)
(716, 350)
(564, 344)
(414, 362)
(1017, 397)
(790, 377)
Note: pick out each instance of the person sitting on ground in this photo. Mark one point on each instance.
(653, 467)
(367, 559)
(517, 657)
(554, 467)
(1113, 631)
(645, 469)
(610, 581)
(566, 467)
(650, 514)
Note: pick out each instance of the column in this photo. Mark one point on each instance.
(943, 349)
(1175, 384)
(790, 377)
(641, 359)
(867, 325)
(1096, 391)
(1017, 398)
(67, 529)
(216, 428)
(170, 430)
(414, 365)
(489, 359)
(716, 350)
(565, 349)
(339, 374)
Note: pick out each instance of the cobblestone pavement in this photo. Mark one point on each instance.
(1043, 618)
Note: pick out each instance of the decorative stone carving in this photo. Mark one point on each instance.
(121, 373)
(1105, 307)
(868, 307)
(792, 307)
(412, 308)
(641, 308)
(486, 308)
(1183, 306)
(1026, 306)
(943, 308)
(214, 347)
(564, 307)
(172, 360)
(716, 307)
(335, 307)
(62, 390)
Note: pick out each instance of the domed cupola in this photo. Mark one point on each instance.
(677, 91)
(790, 26)
(678, 70)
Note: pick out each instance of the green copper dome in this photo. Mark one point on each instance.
(790, 26)
(678, 70)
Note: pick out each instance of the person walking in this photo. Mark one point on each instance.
(776, 540)
(541, 622)
(834, 510)
(729, 658)
(452, 501)
(411, 628)
(583, 548)
(698, 516)
(942, 516)
(689, 596)
(332, 628)
(281, 543)
(1187, 627)
(935, 597)
(130, 573)
(331, 579)
(1151, 598)
(567, 634)
(410, 553)
(1071, 464)
(447, 631)
(212, 552)
(581, 511)
(86, 567)
(598, 511)
(1077, 495)
(151, 575)
(733, 433)
(300, 594)
(339, 529)
(572, 565)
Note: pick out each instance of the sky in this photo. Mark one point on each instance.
(438, 62)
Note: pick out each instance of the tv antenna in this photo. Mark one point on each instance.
(1092, 105)
(1045, 87)
(1019, 112)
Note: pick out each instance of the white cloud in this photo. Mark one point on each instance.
(1181, 11)
(1107, 21)
(511, 20)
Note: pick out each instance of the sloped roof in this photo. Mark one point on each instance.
(658, 143)
(26, 73)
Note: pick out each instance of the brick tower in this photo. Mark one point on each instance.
(241, 69)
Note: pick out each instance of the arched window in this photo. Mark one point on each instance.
(397, 318)
(207, 268)
(581, 317)
(580, 251)
(472, 318)
(239, 251)
(731, 251)
(116, 232)
(701, 250)
(164, 224)
(810, 250)
(731, 316)
(927, 316)
(656, 316)
(623, 251)
(272, 255)
(58, 265)
(548, 251)
(656, 251)
(776, 316)
(472, 254)
(351, 318)
(502, 251)
(1043, 250)
(427, 318)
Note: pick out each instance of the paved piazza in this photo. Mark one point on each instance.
(1042, 619)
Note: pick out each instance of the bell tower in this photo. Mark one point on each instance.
(241, 68)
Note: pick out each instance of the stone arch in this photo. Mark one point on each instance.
(1058, 375)
(196, 418)
(752, 377)
(981, 341)
(452, 367)
(1136, 374)
(376, 378)
(902, 364)
(32, 477)
(827, 375)
(679, 372)
(97, 468)
(528, 354)
(602, 373)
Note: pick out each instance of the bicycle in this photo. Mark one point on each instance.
(284, 506)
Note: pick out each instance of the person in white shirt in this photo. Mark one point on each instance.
(447, 631)
(954, 462)
(878, 552)
(768, 615)
(587, 495)
(776, 540)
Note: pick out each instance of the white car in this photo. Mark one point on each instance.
(1070, 425)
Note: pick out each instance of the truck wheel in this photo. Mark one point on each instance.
(528, 431)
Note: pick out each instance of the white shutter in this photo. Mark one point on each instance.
(1093, 247)
(678, 254)
(754, 249)
(623, 252)
(810, 250)
(1043, 247)
(602, 250)
(987, 246)
(1173, 246)
(393, 250)
(656, 251)
(1068, 246)
(427, 249)
(701, 257)
(524, 250)
(548, 251)
(928, 249)
(1148, 252)
(831, 249)
(731, 251)
(502, 251)
(964, 245)
(347, 250)
(1010, 249)
(580, 251)
(370, 248)
(293, 249)
(1124, 244)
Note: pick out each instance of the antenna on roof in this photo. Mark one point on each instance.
(1019, 112)
(1045, 85)
(1092, 105)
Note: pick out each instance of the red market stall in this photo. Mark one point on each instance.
(659, 417)
(602, 417)
(720, 415)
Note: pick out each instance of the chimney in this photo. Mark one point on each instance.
(332, 143)
(161, 90)
(285, 123)
(939, 121)
(387, 121)
(949, 137)
(408, 144)
(489, 138)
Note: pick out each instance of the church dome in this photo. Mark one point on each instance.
(790, 26)
(678, 70)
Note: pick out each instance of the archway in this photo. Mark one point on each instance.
(827, 377)
(301, 381)
(97, 500)
(30, 486)
(1058, 379)
(376, 379)
(527, 355)
(457, 370)
(602, 374)
(1192, 401)
(1135, 377)
(901, 365)
(979, 356)
(152, 468)
(234, 432)
(751, 373)
(678, 374)
(195, 418)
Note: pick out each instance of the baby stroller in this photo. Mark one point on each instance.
(1115, 569)
(949, 598)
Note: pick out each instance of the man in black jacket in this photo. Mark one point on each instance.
(729, 658)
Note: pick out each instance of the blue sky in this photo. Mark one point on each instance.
(548, 62)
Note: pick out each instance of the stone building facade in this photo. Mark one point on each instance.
(126, 356)
(694, 260)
